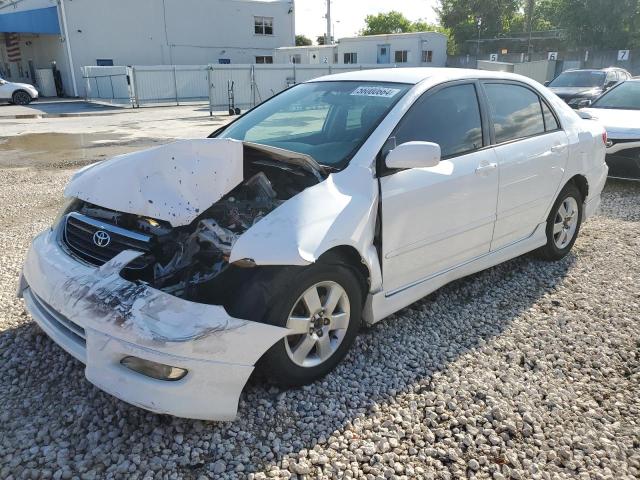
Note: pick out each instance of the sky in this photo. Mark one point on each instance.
(348, 15)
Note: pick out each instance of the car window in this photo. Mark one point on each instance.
(611, 77)
(550, 122)
(450, 117)
(515, 111)
(625, 96)
(579, 78)
(326, 120)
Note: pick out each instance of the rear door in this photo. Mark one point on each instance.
(436, 218)
(532, 152)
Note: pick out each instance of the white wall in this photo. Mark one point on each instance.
(366, 48)
(284, 54)
(164, 32)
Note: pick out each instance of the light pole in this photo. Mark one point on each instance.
(479, 23)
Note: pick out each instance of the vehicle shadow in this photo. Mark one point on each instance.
(42, 384)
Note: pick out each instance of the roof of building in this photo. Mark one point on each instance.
(391, 35)
(416, 75)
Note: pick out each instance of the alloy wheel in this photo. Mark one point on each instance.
(319, 320)
(565, 223)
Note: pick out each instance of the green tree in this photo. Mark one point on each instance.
(302, 41)
(461, 18)
(390, 22)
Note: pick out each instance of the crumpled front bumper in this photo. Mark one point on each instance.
(100, 318)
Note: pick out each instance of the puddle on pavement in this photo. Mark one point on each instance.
(67, 150)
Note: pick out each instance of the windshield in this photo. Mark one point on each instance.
(625, 96)
(579, 79)
(327, 120)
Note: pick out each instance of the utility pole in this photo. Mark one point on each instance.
(479, 23)
(328, 40)
(530, 8)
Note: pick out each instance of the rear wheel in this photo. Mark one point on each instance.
(21, 98)
(563, 224)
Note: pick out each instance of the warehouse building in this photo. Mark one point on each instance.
(77, 33)
(420, 49)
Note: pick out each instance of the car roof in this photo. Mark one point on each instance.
(416, 75)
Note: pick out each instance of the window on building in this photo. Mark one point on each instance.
(516, 111)
(427, 56)
(264, 59)
(104, 62)
(350, 58)
(401, 56)
(449, 117)
(335, 58)
(263, 25)
(297, 58)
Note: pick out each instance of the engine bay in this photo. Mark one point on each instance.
(187, 261)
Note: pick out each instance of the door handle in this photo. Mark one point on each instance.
(486, 168)
(558, 148)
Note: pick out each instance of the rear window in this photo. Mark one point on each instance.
(516, 111)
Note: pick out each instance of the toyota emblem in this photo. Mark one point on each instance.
(101, 238)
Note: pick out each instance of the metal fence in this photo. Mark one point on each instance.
(565, 60)
(249, 85)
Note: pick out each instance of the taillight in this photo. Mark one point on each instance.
(604, 137)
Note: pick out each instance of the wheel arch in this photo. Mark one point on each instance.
(582, 183)
(21, 90)
(349, 256)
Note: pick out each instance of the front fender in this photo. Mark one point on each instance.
(339, 211)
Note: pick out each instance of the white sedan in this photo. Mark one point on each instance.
(619, 111)
(17, 93)
(172, 273)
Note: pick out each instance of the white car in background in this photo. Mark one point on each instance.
(173, 272)
(17, 93)
(619, 111)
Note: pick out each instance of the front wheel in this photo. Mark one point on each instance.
(322, 309)
(21, 98)
(563, 224)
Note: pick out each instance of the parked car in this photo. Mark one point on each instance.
(580, 87)
(173, 272)
(17, 93)
(619, 111)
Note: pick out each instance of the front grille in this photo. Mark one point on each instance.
(57, 320)
(79, 231)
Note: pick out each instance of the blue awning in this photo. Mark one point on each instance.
(41, 20)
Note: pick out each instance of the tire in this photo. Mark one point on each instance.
(21, 98)
(325, 337)
(563, 224)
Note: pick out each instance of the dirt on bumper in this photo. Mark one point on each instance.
(120, 318)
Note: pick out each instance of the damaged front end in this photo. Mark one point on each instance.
(142, 277)
(192, 261)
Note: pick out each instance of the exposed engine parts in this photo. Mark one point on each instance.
(185, 260)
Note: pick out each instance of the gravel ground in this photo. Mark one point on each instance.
(527, 370)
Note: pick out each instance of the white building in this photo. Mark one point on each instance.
(77, 33)
(426, 49)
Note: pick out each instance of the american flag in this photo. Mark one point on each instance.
(12, 41)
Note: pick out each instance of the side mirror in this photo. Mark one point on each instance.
(547, 83)
(584, 103)
(414, 155)
(584, 115)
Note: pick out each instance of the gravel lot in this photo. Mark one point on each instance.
(527, 370)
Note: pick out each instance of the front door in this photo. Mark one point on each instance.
(437, 218)
(384, 54)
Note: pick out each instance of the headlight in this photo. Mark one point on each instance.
(67, 206)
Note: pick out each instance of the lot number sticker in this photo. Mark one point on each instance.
(623, 55)
(375, 92)
(493, 57)
(552, 56)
